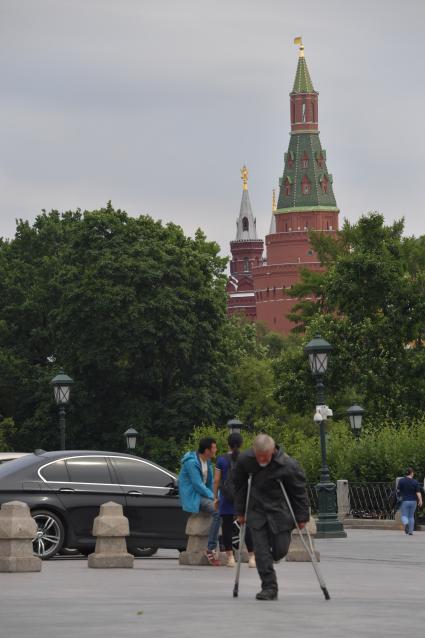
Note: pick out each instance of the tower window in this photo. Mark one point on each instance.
(245, 224)
(324, 183)
(304, 160)
(305, 185)
(287, 188)
(246, 264)
(303, 112)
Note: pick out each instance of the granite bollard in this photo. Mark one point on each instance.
(197, 528)
(110, 528)
(297, 552)
(17, 531)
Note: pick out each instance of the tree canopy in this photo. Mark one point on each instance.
(371, 308)
(132, 309)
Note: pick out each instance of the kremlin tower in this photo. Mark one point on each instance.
(247, 251)
(306, 203)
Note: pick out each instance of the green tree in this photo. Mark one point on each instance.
(133, 310)
(371, 308)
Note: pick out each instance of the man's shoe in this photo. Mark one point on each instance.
(266, 594)
(212, 558)
(406, 528)
(231, 561)
(251, 561)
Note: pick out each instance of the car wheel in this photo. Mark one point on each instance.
(50, 534)
(143, 551)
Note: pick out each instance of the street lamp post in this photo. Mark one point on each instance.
(62, 390)
(328, 525)
(355, 416)
(130, 438)
(234, 425)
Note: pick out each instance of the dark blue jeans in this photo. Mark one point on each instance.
(207, 505)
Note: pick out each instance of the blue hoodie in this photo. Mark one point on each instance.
(191, 484)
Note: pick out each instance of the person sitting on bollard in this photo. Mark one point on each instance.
(196, 490)
(410, 492)
(224, 492)
(267, 513)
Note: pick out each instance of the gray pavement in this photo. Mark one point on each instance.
(376, 580)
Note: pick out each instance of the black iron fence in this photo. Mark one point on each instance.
(372, 500)
(366, 500)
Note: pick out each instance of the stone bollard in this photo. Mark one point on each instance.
(343, 499)
(17, 531)
(110, 528)
(297, 552)
(197, 528)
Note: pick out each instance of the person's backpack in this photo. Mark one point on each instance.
(227, 487)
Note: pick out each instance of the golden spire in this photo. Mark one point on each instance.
(274, 200)
(244, 177)
(299, 40)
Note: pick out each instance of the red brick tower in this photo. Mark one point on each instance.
(247, 252)
(306, 202)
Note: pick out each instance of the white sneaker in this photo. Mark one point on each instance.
(231, 561)
(251, 561)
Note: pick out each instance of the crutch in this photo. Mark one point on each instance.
(242, 540)
(309, 548)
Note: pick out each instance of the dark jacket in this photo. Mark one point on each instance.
(267, 503)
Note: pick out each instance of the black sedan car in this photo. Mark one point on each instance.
(64, 491)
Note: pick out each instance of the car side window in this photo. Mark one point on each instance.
(133, 472)
(88, 469)
(55, 472)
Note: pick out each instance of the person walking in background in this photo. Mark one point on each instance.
(196, 490)
(224, 493)
(410, 492)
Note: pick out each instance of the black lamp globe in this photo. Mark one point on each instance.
(355, 416)
(318, 351)
(131, 437)
(234, 425)
(62, 387)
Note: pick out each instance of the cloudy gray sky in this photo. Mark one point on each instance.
(156, 104)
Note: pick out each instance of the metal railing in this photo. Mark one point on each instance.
(371, 500)
(366, 500)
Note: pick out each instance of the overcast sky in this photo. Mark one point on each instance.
(156, 104)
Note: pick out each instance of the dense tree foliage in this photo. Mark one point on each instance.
(133, 310)
(371, 309)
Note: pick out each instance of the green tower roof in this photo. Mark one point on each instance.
(302, 83)
(305, 163)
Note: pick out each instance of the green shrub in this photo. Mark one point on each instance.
(378, 455)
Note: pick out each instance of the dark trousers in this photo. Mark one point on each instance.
(227, 533)
(269, 547)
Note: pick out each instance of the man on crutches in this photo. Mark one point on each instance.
(266, 512)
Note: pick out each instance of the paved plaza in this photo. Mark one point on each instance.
(376, 580)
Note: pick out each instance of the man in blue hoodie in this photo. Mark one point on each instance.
(196, 490)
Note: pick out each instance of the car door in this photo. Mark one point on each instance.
(82, 484)
(152, 504)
